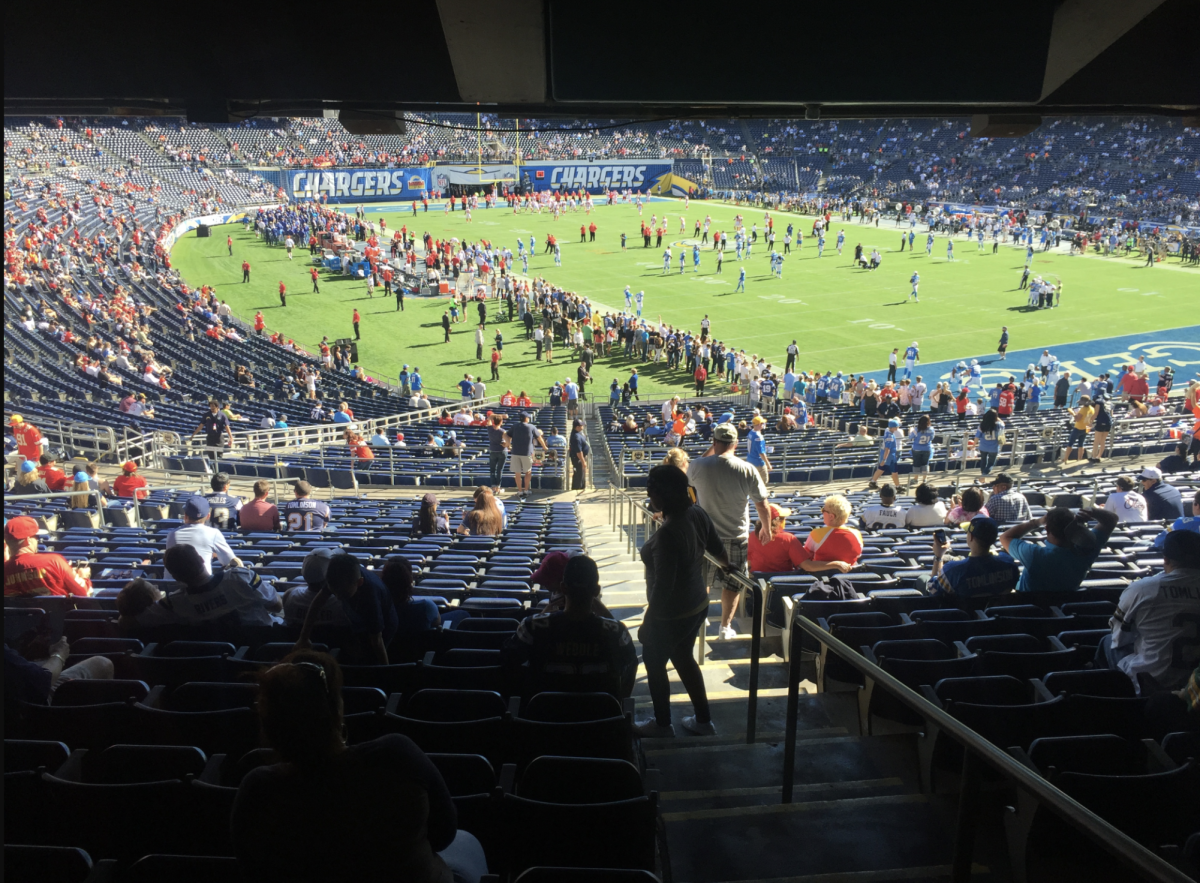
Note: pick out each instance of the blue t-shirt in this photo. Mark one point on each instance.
(1048, 568)
(757, 448)
(1035, 394)
(889, 450)
(371, 609)
(990, 441)
(418, 615)
(341, 417)
(1186, 522)
(415, 382)
(911, 353)
(987, 575)
(994, 399)
(467, 388)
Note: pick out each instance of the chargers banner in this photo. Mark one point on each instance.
(444, 176)
(357, 185)
(597, 176)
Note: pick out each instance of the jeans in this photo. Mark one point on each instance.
(673, 640)
(496, 467)
(987, 459)
(464, 856)
(94, 668)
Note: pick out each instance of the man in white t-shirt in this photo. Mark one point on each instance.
(206, 540)
(1156, 629)
(723, 483)
(885, 514)
(1126, 502)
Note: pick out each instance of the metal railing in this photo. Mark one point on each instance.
(1142, 862)
(14, 499)
(641, 515)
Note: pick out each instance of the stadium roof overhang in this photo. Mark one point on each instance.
(620, 59)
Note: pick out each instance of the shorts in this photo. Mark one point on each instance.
(520, 465)
(736, 551)
(920, 459)
(891, 465)
(1076, 437)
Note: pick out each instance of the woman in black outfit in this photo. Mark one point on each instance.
(677, 599)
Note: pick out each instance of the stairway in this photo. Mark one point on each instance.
(857, 812)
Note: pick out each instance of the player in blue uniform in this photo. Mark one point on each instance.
(915, 281)
(929, 244)
(741, 286)
(912, 355)
(695, 258)
(628, 300)
(641, 296)
(841, 240)
(667, 261)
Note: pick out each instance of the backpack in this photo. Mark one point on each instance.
(836, 587)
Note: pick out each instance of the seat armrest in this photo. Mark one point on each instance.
(979, 614)
(212, 770)
(1157, 760)
(1056, 644)
(150, 649)
(103, 871)
(72, 768)
(427, 659)
(823, 623)
(240, 653)
(1041, 692)
(869, 654)
(962, 649)
(514, 706)
(1018, 754)
(928, 692)
(393, 703)
(905, 619)
(154, 699)
(507, 780)
(628, 706)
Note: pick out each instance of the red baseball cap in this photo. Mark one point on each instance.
(549, 574)
(21, 528)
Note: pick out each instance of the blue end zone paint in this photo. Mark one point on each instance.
(1177, 347)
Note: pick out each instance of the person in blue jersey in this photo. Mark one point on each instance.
(982, 573)
(741, 285)
(682, 260)
(841, 241)
(836, 387)
(628, 300)
(989, 436)
(912, 355)
(823, 388)
(921, 443)
(915, 281)
(889, 455)
(994, 397)
(949, 249)
(1184, 522)
(929, 244)
(975, 374)
(695, 258)
(667, 261)
(641, 299)
(912, 235)
(820, 244)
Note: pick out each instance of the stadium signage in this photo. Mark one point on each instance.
(358, 184)
(596, 176)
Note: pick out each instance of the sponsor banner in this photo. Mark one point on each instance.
(444, 176)
(190, 224)
(598, 176)
(357, 185)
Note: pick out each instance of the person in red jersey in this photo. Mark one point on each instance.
(30, 572)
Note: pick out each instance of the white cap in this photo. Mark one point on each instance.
(1151, 473)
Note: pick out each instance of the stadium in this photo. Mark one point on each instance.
(541, 473)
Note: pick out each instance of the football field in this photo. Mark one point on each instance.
(842, 317)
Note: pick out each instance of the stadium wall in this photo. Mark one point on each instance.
(231, 217)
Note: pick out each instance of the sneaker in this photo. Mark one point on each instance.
(727, 633)
(700, 729)
(652, 729)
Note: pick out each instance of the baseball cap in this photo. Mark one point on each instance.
(303, 486)
(1151, 473)
(758, 418)
(549, 574)
(81, 476)
(984, 529)
(893, 423)
(28, 466)
(17, 418)
(316, 565)
(578, 422)
(1002, 478)
(21, 528)
(726, 432)
(779, 512)
(196, 507)
(129, 466)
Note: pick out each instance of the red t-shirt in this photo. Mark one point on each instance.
(54, 477)
(130, 485)
(784, 553)
(42, 573)
(833, 544)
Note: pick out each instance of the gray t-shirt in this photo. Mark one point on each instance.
(522, 435)
(723, 483)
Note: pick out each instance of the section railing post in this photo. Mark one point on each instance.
(758, 593)
(793, 712)
(968, 812)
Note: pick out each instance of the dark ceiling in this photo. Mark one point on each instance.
(563, 57)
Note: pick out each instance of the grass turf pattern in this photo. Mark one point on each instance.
(842, 317)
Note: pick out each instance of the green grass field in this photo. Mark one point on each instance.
(843, 318)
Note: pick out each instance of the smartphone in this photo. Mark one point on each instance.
(940, 537)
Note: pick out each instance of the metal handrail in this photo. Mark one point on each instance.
(757, 592)
(1146, 863)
